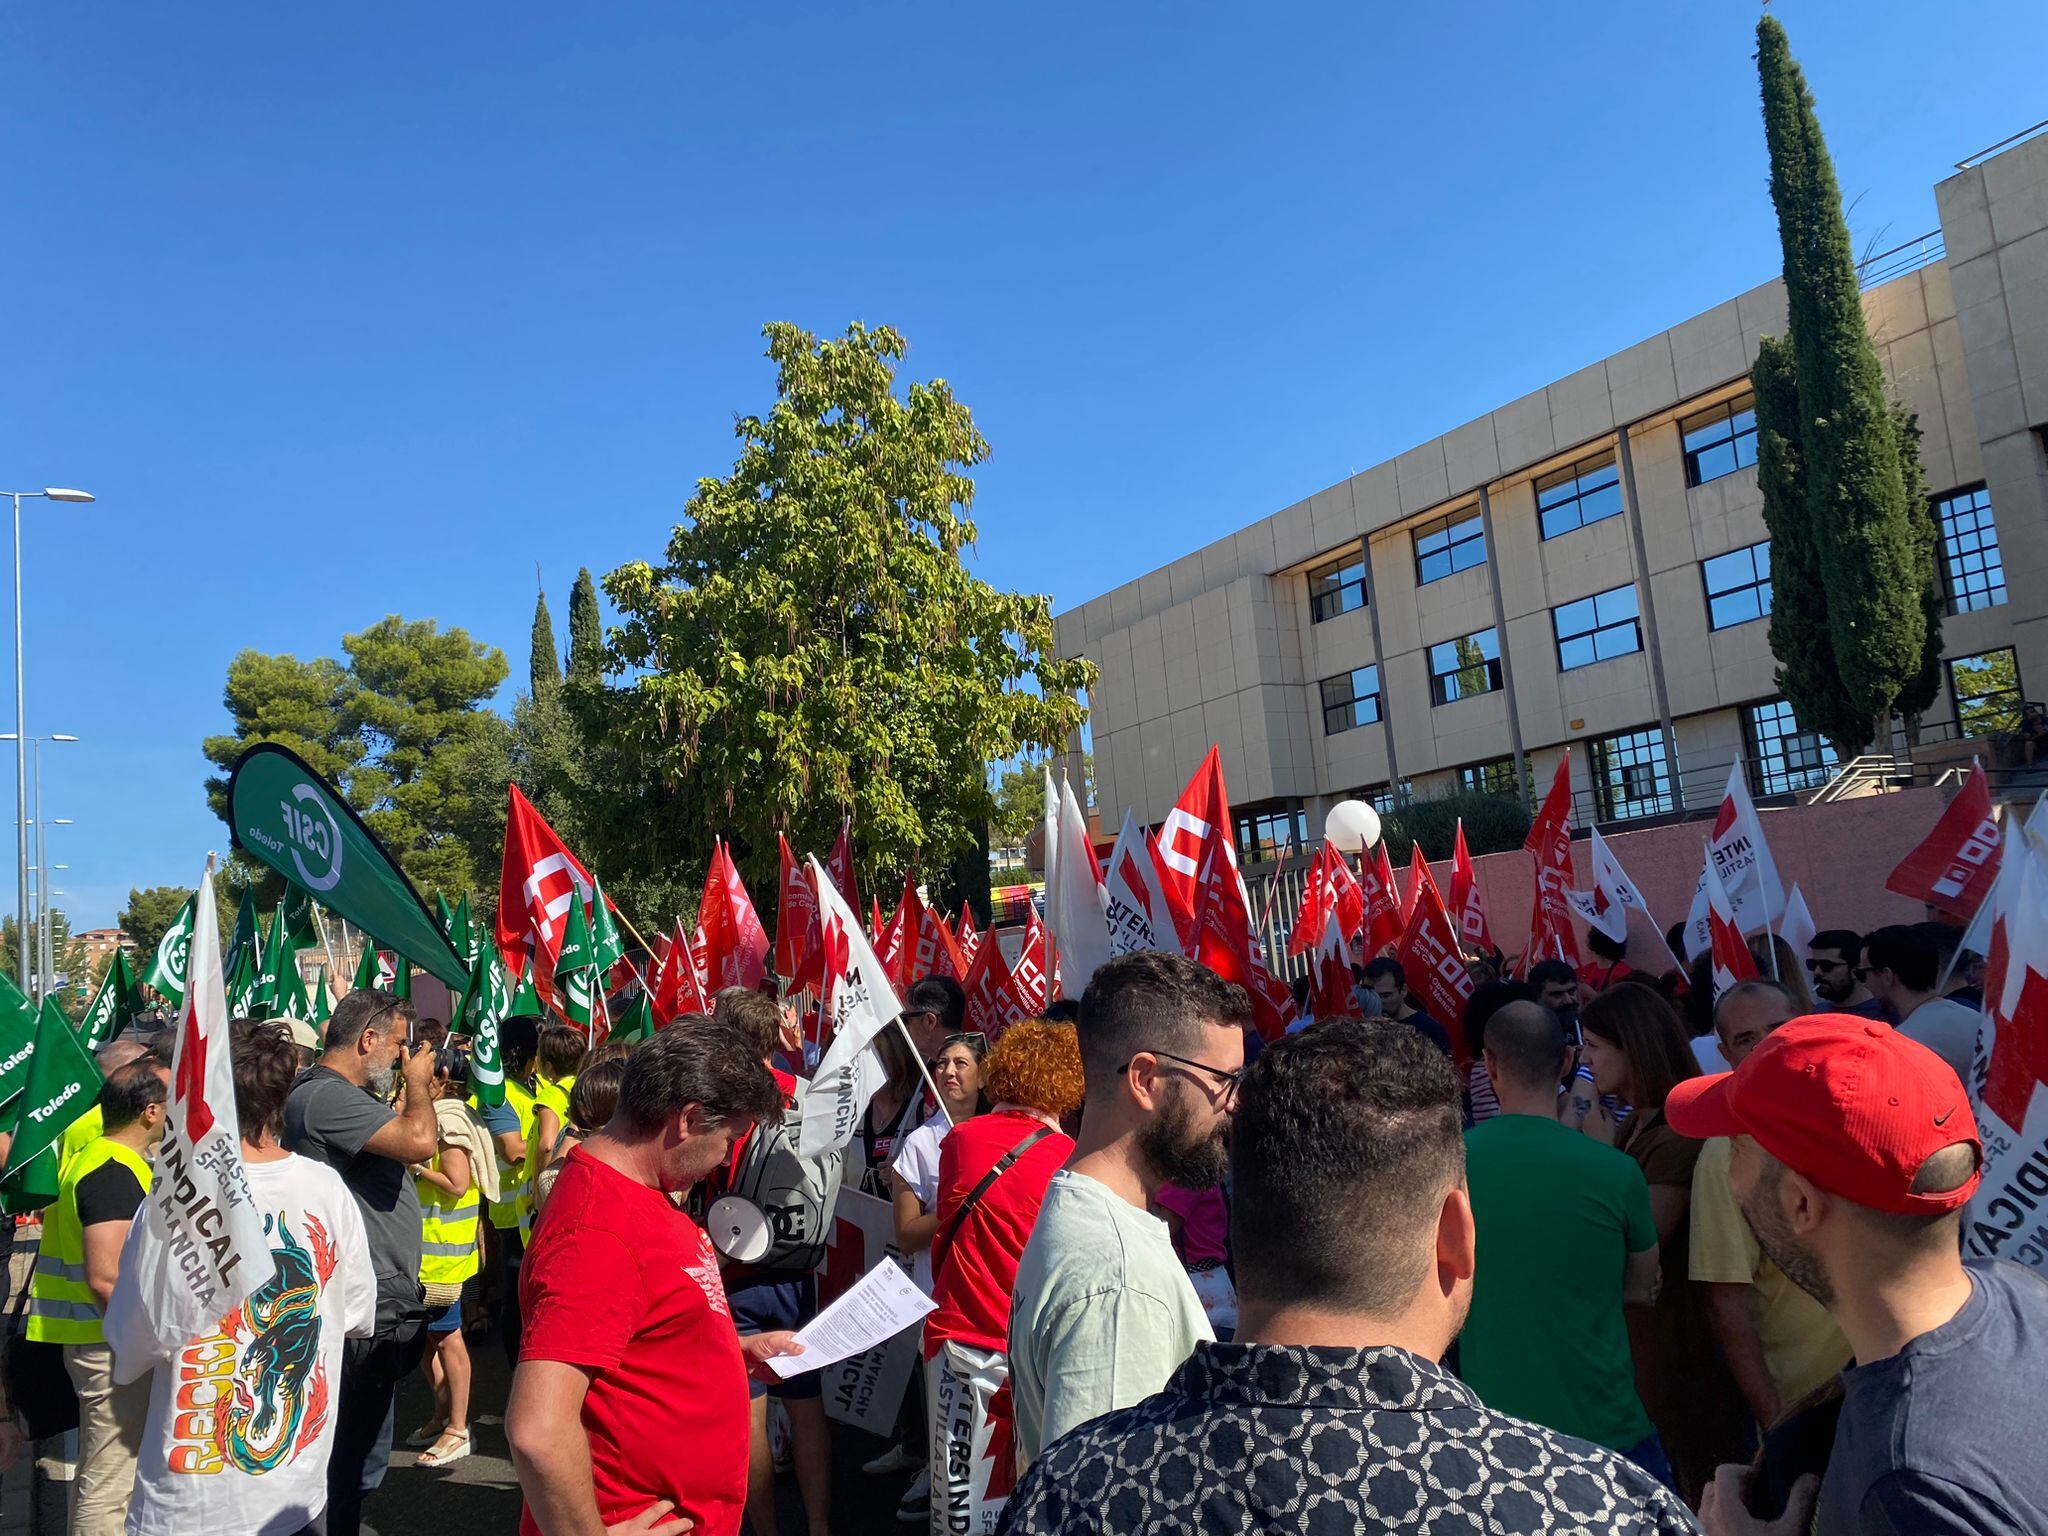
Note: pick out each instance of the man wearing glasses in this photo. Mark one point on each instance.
(1103, 1311)
(1832, 957)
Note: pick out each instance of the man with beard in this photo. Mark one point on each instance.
(1103, 1311)
(1356, 1251)
(338, 1114)
(1854, 1155)
(1832, 956)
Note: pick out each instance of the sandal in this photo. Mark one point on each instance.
(434, 1456)
(426, 1434)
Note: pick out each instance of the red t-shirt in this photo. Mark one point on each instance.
(623, 1284)
(974, 1280)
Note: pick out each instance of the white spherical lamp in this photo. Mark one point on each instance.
(1352, 825)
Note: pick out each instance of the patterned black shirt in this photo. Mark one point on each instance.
(1269, 1439)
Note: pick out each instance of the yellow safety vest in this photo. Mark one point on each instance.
(80, 1134)
(556, 1097)
(448, 1250)
(61, 1306)
(504, 1211)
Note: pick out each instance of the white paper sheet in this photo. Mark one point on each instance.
(883, 1303)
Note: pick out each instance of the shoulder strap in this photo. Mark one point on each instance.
(974, 1195)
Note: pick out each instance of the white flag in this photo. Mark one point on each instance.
(2007, 1093)
(859, 1004)
(1049, 831)
(1748, 873)
(199, 1250)
(1136, 908)
(1605, 907)
(1079, 926)
(1797, 927)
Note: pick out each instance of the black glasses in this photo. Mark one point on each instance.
(1817, 966)
(1227, 1083)
(1862, 972)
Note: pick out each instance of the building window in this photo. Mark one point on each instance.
(1351, 700)
(1595, 628)
(1720, 440)
(1738, 586)
(1784, 757)
(1631, 776)
(1263, 836)
(1462, 667)
(1494, 778)
(1987, 690)
(1972, 573)
(1385, 799)
(1336, 588)
(1586, 492)
(1449, 545)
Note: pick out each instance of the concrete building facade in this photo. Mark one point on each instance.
(1588, 567)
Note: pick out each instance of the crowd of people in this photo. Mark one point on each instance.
(1619, 1255)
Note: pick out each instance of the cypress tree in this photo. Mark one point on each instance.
(1859, 523)
(1919, 694)
(586, 634)
(544, 669)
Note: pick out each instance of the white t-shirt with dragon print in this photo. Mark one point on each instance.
(242, 1419)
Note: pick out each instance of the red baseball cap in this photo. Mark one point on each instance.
(1849, 1103)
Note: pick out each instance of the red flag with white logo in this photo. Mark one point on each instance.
(1732, 959)
(993, 1004)
(1028, 976)
(928, 947)
(1433, 964)
(1953, 867)
(1223, 939)
(1383, 925)
(1183, 919)
(966, 935)
(537, 880)
(1466, 908)
(1418, 872)
(1199, 820)
(1550, 840)
(840, 865)
(1332, 991)
(798, 937)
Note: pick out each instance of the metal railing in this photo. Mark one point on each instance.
(2003, 144)
(1883, 266)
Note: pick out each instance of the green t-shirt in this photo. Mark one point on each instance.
(1558, 1215)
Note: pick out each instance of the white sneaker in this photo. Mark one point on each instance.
(916, 1508)
(894, 1459)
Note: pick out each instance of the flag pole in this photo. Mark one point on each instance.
(917, 1056)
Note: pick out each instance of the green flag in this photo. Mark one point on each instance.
(248, 923)
(401, 976)
(17, 1040)
(32, 1187)
(375, 969)
(445, 916)
(244, 989)
(463, 932)
(113, 1007)
(573, 973)
(166, 973)
(526, 1001)
(607, 948)
(487, 1001)
(62, 1084)
(286, 816)
(323, 999)
(635, 1020)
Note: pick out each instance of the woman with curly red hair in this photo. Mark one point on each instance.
(993, 1173)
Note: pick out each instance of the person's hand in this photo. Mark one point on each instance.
(760, 1348)
(1723, 1511)
(657, 1519)
(418, 1062)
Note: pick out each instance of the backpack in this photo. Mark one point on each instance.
(797, 1195)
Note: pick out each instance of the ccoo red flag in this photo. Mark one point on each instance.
(993, 1003)
(1418, 874)
(1466, 909)
(1198, 823)
(840, 865)
(1383, 924)
(1955, 864)
(799, 939)
(1028, 976)
(537, 880)
(1550, 840)
(1434, 966)
(735, 946)
(1223, 942)
(966, 935)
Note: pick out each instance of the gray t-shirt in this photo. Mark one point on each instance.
(1102, 1312)
(1948, 1029)
(1944, 1437)
(329, 1119)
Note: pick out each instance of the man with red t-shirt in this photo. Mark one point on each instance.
(629, 1408)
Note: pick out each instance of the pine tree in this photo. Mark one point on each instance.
(1859, 522)
(544, 664)
(586, 630)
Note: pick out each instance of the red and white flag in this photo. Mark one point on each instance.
(1732, 959)
(1605, 907)
(1418, 872)
(928, 947)
(1433, 964)
(1135, 903)
(798, 937)
(1079, 925)
(1332, 992)
(1183, 920)
(966, 935)
(735, 946)
(1028, 976)
(678, 985)
(1383, 924)
(1198, 822)
(537, 880)
(992, 1001)
(893, 943)
(199, 1249)
(1748, 874)
(1550, 840)
(859, 1004)
(2010, 1080)
(1467, 910)
(1223, 938)
(840, 865)
(1330, 892)
(1953, 867)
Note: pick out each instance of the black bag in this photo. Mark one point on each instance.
(37, 1384)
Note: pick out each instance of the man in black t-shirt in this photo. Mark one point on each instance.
(1388, 977)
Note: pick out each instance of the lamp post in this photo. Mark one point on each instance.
(42, 945)
(47, 493)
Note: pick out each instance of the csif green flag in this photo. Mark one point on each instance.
(607, 947)
(463, 932)
(323, 999)
(62, 1084)
(286, 816)
(245, 988)
(573, 972)
(113, 1007)
(488, 999)
(166, 973)
(635, 1020)
(246, 936)
(17, 1040)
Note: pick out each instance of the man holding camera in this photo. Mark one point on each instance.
(339, 1114)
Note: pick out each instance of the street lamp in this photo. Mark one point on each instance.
(47, 493)
(45, 909)
(42, 952)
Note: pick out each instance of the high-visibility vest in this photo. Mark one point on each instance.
(504, 1211)
(61, 1306)
(80, 1134)
(448, 1250)
(556, 1097)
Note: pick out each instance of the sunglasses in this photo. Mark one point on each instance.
(1227, 1083)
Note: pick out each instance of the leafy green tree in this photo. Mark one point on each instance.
(1920, 694)
(1494, 823)
(150, 911)
(586, 631)
(1859, 522)
(544, 662)
(811, 644)
(1471, 674)
(401, 730)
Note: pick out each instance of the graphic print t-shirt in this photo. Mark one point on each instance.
(242, 1419)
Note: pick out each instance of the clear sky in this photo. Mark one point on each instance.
(345, 310)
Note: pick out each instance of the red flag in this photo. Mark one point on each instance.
(1732, 959)
(735, 946)
(678, 988)
(966, 935)
(890, 947)
(1466, 908)
(1199, 821)
(1418, 873)
(1383, 924)
(1434, 968)
(1183, 918)
(1550, 840)
(1332, 992)
(1953, 867)
(993, 1004)
(929, 949)
(1223, 942)
(1307, 932)
(840, 865)
(1028, 976)
(876, 924)
(799, 940)
(537, 880)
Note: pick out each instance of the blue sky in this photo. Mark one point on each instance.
(351, 310)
